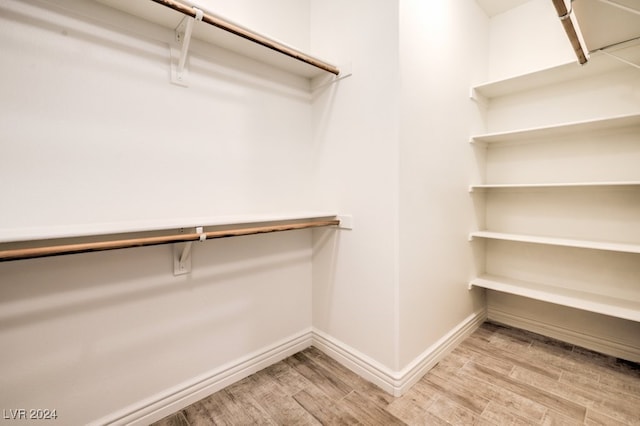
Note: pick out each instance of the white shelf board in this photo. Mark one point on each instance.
(165, 17)
(620, 308)
(604, 24)
(564, 242)
(598, 63)
(9, 235)
(615, 122)
(525, 186)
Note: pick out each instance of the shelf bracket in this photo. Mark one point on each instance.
(323, 81)
(346, 222)
(182, 254)
(183, 31)
(182, 258)
(478, 98)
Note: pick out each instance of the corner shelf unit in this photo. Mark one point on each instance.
(602, 297)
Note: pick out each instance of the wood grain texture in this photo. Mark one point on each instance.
(87, 247)
(497, 376)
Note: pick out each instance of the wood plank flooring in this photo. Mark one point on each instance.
(497, 376)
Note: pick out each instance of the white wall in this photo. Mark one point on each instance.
(392, 148)
(92, 334)
(356, 172)
(284, 20)
(92, 131)
(443, 50)
(526, 38)
(97, 93)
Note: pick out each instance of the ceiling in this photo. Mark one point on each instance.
(603, 23)
(496, 7)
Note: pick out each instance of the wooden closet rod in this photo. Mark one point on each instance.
(249, 35)
(570, 29)
(34, 252)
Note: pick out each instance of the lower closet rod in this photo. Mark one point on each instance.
(30, 253)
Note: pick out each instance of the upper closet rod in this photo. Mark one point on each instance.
(566, 17)
(249, 35)
(34, 252)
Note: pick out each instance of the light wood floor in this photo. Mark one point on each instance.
(497, 376)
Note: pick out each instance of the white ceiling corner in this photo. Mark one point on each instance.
(496, 7)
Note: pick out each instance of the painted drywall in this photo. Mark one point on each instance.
(601, 333)
(392, 148)
(443, 49)
(98, 95)
(92, 131)
(91, 334)
(608, 94)
(355, 171)
(526, 38)
(283, 20)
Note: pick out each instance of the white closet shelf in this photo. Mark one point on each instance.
(180, 232)
(10, 235)
(526, 186)
(267, 49)
(564, 129)
(620, 308)
(564, 242)
(598, 63)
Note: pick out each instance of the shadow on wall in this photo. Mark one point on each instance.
(43, 289)
(212, 62)
(102, 35)
(325, 260)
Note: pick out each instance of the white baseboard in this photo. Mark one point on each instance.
(174, 399)
(576, 337)
(430, 357)
(355, 361)
(395, 382)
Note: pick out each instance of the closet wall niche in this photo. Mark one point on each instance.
(560, 194)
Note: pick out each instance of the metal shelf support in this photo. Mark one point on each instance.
(179, 72)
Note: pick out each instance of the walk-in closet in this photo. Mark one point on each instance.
(201, 195)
